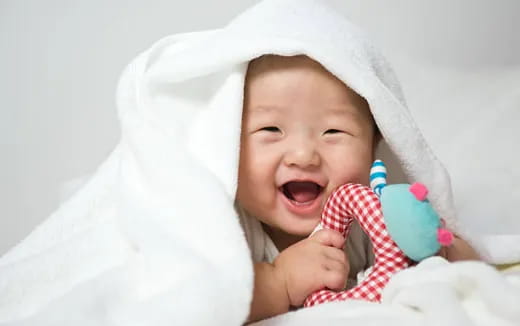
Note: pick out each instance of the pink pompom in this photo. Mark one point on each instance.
(445, 237)
(419, 191)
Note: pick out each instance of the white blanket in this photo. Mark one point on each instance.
(434, 292)
(152, 238)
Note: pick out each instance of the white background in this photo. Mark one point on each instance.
(60, 61)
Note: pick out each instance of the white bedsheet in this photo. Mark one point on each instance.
(434, 292)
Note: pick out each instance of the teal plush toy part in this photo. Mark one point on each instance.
(410, 219)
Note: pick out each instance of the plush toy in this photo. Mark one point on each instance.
(401, 223)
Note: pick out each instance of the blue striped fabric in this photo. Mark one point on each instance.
(374, 175)
(378, 176)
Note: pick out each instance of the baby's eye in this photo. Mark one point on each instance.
(333, 131)
(270, 129)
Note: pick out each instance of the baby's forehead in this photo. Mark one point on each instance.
(269, 66)
(266, 73)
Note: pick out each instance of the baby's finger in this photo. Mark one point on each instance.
(334, 265)
(329, 238)
(337, 255)
(335, 279)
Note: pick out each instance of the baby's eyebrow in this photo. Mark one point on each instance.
(344, 112)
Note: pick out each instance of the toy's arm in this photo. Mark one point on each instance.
(460, 249)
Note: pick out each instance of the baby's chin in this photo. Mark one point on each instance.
(301, 229)
(290, 228)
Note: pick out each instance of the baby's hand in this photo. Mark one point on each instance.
(312, 264)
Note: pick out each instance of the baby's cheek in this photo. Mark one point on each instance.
(350, 172)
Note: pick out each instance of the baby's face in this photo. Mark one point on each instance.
(304, 133)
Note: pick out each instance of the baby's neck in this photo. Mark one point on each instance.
(281, 239)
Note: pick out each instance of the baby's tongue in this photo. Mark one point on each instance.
(302, 191)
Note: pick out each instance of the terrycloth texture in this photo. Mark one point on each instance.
(153, 237)
(470, 118)
(434, 292)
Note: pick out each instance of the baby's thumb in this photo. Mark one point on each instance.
(328, 237)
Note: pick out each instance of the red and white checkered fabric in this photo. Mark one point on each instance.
(355, 201)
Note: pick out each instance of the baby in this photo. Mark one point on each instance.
(304, 133)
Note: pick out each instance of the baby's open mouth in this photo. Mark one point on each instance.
(301, 192)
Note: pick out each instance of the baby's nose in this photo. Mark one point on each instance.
(303, 154)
